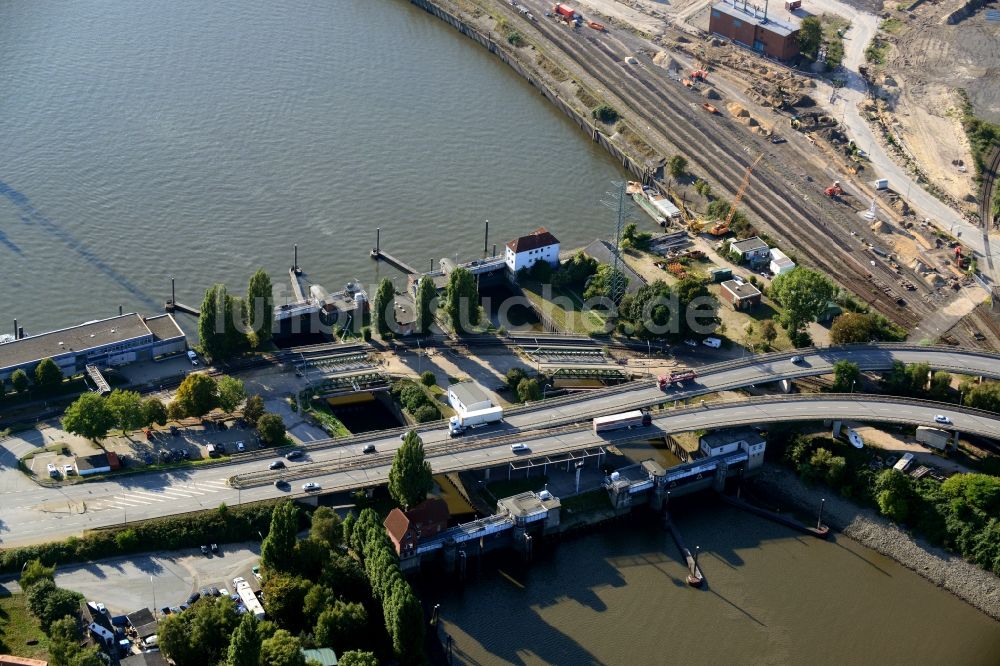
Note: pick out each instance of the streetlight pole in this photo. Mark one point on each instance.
(155, 611)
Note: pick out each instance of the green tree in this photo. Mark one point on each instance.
(462, 301)
(426, 293)
(357, 658)
(196, 396)
(89, 416)
(768, 332)
(153, 411)
(220, 323)
(64, 641)
(599, 284)
(410, 477)
(606, 114)
(804, 294)
(57, 604)
(260, 307)
(574, 272)
(514, 377)
(33, 572)
(231, 393)
(19, 380)
(529, 390)
(940, 385)
(284, 599)
(852, 327)
(88, 656)
(271, 429)
(810, 36)
(282, 649)
(343, 573)
(384, 313)
(126, 407)
(277, 547)
(894, 494)
(984, 396)
(48, 375)
(845, 376)
(406, 623)
(318, 598)
(201, 634)
(427, 378)
(326, 527)
(253, 409)
(340, 625)
(244, 647)
(677, 166)
(426, 413)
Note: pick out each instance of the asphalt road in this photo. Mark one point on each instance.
(43, 514)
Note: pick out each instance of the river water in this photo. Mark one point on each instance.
(618, 596)
(202, 139)
(145, 139)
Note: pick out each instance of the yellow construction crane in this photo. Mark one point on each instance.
(743, 188)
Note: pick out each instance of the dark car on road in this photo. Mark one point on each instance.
(281, 484)
(369, 449)
(277, 464)
(292, 455)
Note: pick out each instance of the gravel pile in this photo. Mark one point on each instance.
(966, 581)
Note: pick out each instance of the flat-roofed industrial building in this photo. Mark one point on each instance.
(107, 342)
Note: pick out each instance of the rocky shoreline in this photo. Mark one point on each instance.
(966, 581)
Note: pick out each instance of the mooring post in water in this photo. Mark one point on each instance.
(494, 249)
(486, 238)
(173, 294)
(295, 259)
(819, 520)
(119, 310)
(15, 329)
(378, 240)
(697, 549)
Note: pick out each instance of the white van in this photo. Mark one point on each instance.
(714, 343)
(518, 448)
(193, 358)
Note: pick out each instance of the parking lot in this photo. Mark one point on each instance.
(154, 581)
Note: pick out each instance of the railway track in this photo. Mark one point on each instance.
(672, 111)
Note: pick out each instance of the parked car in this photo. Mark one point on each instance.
(691, 343)
(292, 455)
(215, 548)
(165, 610)
(68, 469)
(175, 609)
(256, 573)
(240, 447)
(214, 591)
(195, 596)
(193, 358)
(941, 418)
(53, 471)
(370, 448)
(205, 592)
(182, 607)
(309, 487)
(204, 550)
(277, 464)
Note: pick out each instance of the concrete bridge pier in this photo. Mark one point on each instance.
(836, 429)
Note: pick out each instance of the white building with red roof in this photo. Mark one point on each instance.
(526, 251)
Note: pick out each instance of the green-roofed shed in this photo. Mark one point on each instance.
(322, 656)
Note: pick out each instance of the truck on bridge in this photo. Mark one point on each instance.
(624, 420)
(675, 376)
(457, 425)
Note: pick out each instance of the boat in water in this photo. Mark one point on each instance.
(638, 192)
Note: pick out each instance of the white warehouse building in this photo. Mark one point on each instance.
(780, 263)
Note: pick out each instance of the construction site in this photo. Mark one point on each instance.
(754, 131)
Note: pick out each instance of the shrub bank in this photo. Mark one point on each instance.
(222, 525)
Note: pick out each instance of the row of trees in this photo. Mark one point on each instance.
(404, 619)
(527, 389)
(47, 377)
(229, 325)
(57, 610)
(415, 400)
(93, 416)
